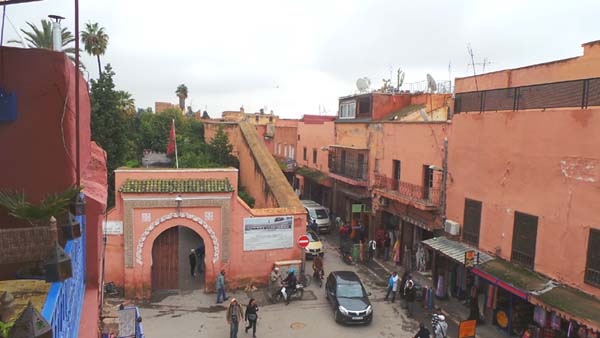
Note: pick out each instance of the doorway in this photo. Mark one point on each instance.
(171, 260)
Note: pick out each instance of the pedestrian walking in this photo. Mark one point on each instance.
(423, 332)
(392, 286)
(371, 248)
(192, 257)
(220, 286)
(387, 242)
(403, 282)
(251, 316)
(200, 251)
(234, 315)
(409, 294)
(361, 250)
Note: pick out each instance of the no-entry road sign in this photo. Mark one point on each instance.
(303, 241)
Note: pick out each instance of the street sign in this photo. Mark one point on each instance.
(466, 329)
(303, 241)
(356, 208)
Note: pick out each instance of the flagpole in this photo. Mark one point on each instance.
(176, 158)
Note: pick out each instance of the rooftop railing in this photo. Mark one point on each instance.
(577, 93)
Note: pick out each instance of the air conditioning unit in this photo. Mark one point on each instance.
(452, 227)
(384, 202)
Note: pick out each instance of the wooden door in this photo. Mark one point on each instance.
(165, 260)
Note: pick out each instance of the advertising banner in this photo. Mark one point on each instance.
(265, 233)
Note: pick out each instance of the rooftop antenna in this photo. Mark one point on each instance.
(473, 63)
(363, 84)
(431, 84)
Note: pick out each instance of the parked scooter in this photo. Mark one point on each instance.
(346, 256)
(298, 294)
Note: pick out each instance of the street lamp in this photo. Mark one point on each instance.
(178, 200)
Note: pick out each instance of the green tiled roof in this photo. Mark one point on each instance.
(176, 185)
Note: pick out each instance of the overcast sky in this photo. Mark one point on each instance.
(298, 57)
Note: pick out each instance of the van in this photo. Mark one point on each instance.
(318, 213)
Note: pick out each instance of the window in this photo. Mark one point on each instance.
(472, 221)
(256, 118)
(343, 162)
(270, 118)
(314, 155)
(285, 150)
(427, 181)
(298, 137)
(396, 174)
(348, 109)
(304, 156)
(292, 151)
(361, 166)
(592, 266)
(279, 148)
(364, 106)
(524, 238)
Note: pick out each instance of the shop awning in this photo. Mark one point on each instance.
(511, 277)
(315, 176)
(455, 250)
(356, 194)
(570, 304)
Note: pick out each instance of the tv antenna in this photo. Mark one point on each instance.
(470, 50)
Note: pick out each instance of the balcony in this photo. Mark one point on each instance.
(350, 172)
(424, 198)
(286, 164)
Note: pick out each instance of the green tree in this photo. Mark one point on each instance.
(42, 38)
(220, 150)
(109, 124)
(95, 41)
(126, 102)
(182, 94)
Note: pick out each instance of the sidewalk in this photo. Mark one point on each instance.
(453, 309)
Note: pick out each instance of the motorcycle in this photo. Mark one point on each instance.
(318, 276)
(298, 293)
(346, 256)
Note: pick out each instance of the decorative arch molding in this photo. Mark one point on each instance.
(132, 203)
(184, 215)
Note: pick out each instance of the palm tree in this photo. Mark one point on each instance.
(95, 41)
(182, 94)
(42, 38)
(126, 103)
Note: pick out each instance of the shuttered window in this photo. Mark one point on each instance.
(592, 267)
(524, 239)
(472, 221)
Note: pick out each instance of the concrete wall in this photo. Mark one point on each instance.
(352, 134)
(544, 163)
(315, 135)
(581, 67)
(414, 144)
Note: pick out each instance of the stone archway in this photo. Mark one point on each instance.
(177, 215)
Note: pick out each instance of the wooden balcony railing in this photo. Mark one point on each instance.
(428, 196)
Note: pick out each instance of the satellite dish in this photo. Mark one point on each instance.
(431, 85)
(363, 84)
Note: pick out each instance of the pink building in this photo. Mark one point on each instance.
(315, 134)
(524, 172)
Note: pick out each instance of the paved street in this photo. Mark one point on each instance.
(195, 314)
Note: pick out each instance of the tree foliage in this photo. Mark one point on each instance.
(42, 38)
(220, 150)
(95, 41)
(109, 123)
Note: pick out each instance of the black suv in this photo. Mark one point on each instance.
(347, 295)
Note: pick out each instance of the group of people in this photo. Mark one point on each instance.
(287, 286)
(196, 258)
(235, 314)
(405, 287)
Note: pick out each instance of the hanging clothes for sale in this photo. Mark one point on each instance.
(440, 290)
(539, 316)
(571, 331)
(555, 321)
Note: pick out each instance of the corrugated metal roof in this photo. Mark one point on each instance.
(455, 250)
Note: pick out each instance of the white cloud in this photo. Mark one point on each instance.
(294, 56)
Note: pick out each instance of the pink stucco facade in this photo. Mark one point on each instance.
(315, 133)
(222, 231)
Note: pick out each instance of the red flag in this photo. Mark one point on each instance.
(171, 146)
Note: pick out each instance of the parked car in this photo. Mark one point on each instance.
(315, 246)
(318, 213)
(348, 297)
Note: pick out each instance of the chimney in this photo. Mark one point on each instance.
(56, 32)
